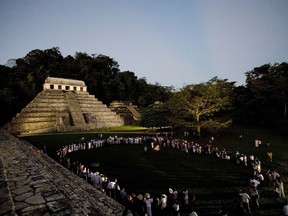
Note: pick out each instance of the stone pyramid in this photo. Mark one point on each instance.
(129, 112)
(63, 105)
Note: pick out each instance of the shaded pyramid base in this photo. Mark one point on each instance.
(63, 111)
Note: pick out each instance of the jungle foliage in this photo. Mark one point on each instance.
(211, 105)
(22, 79)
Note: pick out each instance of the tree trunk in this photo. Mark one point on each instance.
(285, 110)
(198, 131)
(198, 127)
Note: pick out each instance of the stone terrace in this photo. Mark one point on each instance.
(31, 183)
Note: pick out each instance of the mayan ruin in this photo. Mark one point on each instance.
(129, 112)
(63, 105)
(32, 183)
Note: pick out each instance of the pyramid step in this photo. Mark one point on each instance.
(75, 110)
(27, 127)
(64, 110)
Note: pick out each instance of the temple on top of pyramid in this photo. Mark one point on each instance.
(64, 84)
(63, 105)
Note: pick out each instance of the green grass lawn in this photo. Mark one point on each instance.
(215, 181)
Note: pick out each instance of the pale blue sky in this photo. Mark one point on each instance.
(172, 42)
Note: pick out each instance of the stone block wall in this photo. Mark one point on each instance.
(126, 110)
(34, 184)
(60, 111)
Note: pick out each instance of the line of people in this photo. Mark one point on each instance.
(172, 203)
(164, 204)
(249, 198)
(158, 142)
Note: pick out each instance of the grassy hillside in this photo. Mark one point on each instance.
(215, 181)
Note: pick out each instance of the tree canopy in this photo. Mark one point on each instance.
(23, 80)
(211, 105)
(264, 100)
(200, 105)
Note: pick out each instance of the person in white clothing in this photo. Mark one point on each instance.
(245, 199)
(163, 201)
(285, 209)
(279, 187)
(254, 182)
(193, 213)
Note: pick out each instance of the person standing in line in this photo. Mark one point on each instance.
(185, 197)
(269, 156)
(285, 209)
(175, 194)
(254, 196)
(245, 200)
(176, 208)
(274, 176)
(163, 204)
(105, 182)
(280, 187)
(156, 208)
(123, 195)
(129, 205)
(193, 213)
(148, 200)
(98, 181)
(111, 188)
(145, 149)
(241, 137)
(256, 143)
(140, 205)
(45, 149)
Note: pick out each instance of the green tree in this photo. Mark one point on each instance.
(24, 78)
(202, 105)
(150, 93)
(128, 86)
(266, 95)
(98, 72)
(156, 115)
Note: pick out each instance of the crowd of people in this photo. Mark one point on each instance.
(170, 203)
(249, 198)
(174, 201)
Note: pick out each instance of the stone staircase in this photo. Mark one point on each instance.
(134, 111)
(96, 112)
(126, 110)
(77, 117)
(60, 111)
(34, 184)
